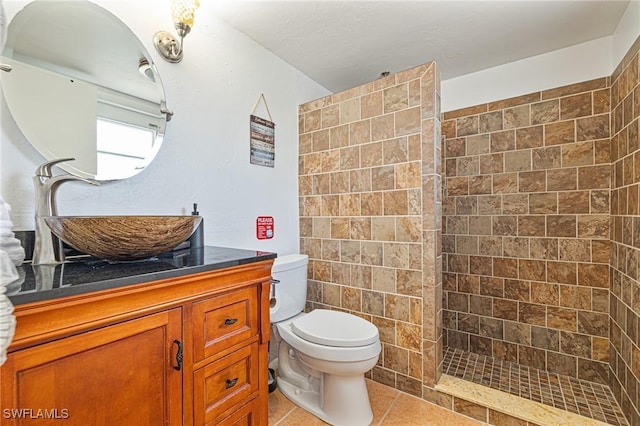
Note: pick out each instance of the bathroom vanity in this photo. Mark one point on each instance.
(169, 341)
(179, 339)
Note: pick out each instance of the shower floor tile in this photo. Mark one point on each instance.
(581, 397)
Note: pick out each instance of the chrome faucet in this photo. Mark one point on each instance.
(48, 248)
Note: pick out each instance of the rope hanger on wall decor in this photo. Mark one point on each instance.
(264, 101)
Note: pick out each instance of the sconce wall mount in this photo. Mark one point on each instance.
(183, 12)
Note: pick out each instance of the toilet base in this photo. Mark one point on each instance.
(346, 400)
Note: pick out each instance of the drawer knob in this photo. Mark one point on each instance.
(230, 321)
(231, 383)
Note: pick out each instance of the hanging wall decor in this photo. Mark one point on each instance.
(262, 137)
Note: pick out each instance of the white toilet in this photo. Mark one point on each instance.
(323, 354)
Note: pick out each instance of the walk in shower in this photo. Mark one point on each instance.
(497, 243)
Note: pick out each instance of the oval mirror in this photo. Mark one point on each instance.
(82, 85)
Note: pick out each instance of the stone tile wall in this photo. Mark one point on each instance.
(624, 351)
(540, 229)
(370, 209)
(526, 229)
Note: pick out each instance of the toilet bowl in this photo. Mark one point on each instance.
(328, 380)
(323, 354)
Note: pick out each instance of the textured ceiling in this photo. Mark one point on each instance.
(341, 44)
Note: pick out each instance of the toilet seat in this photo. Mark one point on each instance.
(325, 352)
(334, 328)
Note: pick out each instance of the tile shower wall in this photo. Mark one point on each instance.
(526, 229)
(370, 209)
(624, 351)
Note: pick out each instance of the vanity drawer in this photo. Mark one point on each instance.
(224, 321)
(225, 383)
(247, 415)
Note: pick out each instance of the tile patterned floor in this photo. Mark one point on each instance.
(577, 396)
(390, 408)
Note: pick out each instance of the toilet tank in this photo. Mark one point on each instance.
(291, 291)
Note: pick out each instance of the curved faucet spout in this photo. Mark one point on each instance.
(48, 248)
(44, 169)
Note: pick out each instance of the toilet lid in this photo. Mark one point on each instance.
(334, 328)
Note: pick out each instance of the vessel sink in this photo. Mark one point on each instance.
(123, 237)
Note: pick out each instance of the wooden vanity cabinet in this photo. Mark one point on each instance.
(105, 376)
(190, 350)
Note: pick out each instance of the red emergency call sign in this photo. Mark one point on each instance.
(264, 227)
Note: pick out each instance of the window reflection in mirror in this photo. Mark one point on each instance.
(123, 147)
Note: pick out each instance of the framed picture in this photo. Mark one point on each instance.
(262, 143)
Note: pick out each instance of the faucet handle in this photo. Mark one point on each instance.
(45, 168)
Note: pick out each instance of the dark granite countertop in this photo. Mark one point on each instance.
(85, 275)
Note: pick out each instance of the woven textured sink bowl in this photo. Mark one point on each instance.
(123, 237)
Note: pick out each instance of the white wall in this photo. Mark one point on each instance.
(626, 33)
(205, 154)
(570, 65)
(582, 62)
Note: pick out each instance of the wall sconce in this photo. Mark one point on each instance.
(182, 12)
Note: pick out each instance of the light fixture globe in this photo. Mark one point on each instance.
(183, 12)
